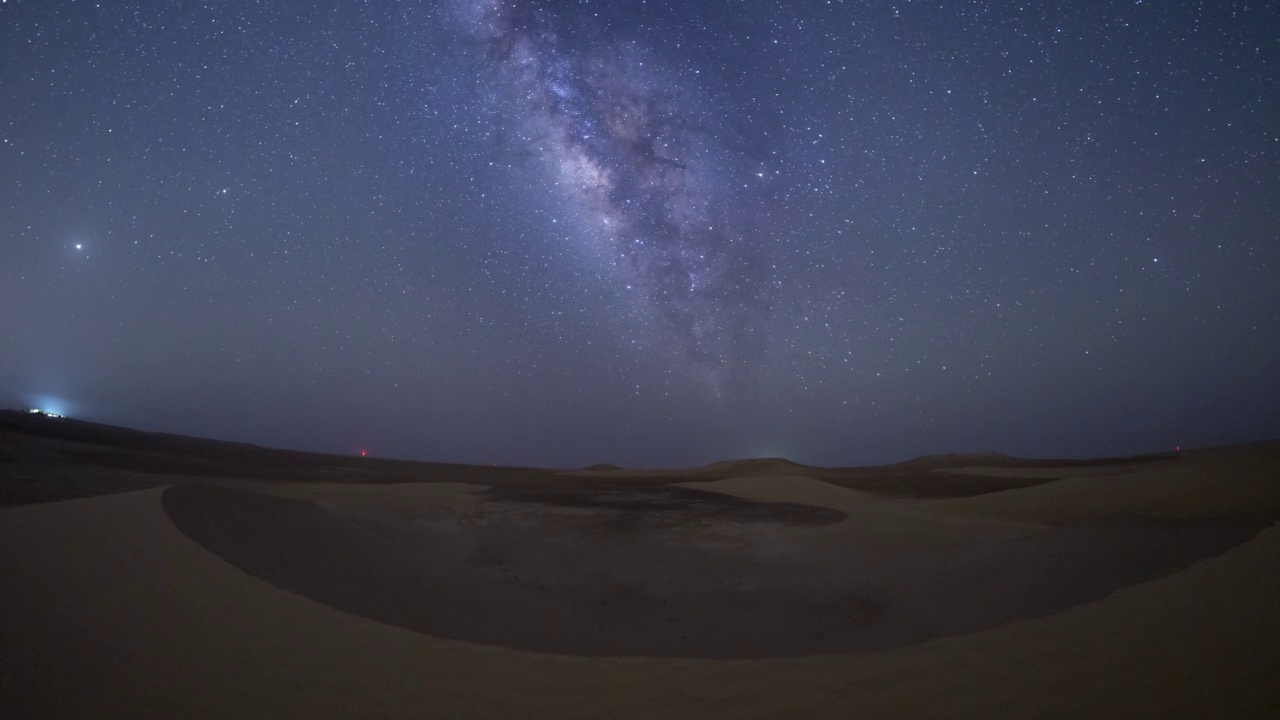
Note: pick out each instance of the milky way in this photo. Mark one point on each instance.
(634, 149)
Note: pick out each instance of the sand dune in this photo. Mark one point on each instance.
(1237, 482)
(142, 622)
(1150, 592)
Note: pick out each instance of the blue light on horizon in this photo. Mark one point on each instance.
(50, 404)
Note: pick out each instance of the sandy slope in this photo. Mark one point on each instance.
(110, 611)
(1240, 481)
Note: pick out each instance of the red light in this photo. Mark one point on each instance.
(363, 453)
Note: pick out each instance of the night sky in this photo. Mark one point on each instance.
(649, 233)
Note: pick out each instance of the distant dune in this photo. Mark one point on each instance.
(753, 466)
(952, 460)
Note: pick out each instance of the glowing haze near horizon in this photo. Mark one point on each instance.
(645, 232)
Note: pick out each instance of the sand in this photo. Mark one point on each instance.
(112, 609)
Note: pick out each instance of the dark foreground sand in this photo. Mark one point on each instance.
(1123, 590)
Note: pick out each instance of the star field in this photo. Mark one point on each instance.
(651, 233)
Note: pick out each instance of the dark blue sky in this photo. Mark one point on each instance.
(649, 233)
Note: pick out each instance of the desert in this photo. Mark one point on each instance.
(639, 359)
(148, 575)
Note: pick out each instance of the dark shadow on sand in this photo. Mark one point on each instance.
(641, 573)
